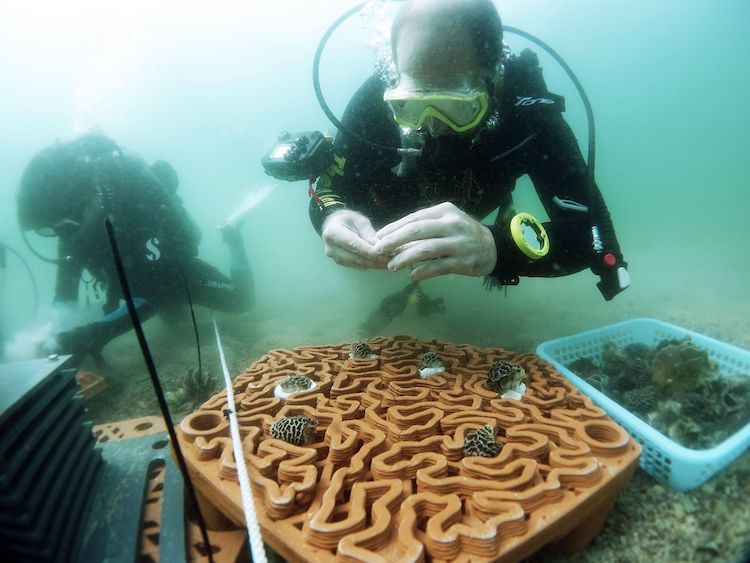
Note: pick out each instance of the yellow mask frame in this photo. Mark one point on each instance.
(460, 111)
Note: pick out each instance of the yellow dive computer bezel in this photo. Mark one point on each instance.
(526, 219)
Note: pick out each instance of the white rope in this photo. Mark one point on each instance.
(251, 519)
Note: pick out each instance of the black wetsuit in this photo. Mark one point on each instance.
(158, 243)
(526, 135)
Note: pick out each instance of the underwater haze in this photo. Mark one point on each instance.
(209, 87)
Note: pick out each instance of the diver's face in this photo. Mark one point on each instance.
(65, 229)
(82, 232)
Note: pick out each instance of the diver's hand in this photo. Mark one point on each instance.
(444, 239)
(349, 240)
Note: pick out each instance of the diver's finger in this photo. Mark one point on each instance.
(367, 232)
(343, 257)
(410, 232)
(351, 242)
(434, 268)
(439, 211)
(430, 249)
(434, 212)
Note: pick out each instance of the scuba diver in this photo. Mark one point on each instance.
(394, 304)
(69, 188)
(465, 118)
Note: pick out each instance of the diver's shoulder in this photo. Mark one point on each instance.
(368, 100)
(373, 87)
(525, 59)
(523, 73)
(524, 88)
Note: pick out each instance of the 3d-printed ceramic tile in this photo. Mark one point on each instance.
(376, 462)
(89, 383)
(127, 429)
(226, 546)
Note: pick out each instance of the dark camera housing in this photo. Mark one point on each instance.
(301, 156)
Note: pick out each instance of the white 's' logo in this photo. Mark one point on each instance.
(152, 245)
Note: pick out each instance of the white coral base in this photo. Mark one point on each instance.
(516, 393)
(281, 394)
(427, 372)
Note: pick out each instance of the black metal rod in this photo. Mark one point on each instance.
(195, 323)
(149, 360)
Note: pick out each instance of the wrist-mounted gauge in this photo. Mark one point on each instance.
(529, 236)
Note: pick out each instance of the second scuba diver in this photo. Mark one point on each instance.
(69, 188)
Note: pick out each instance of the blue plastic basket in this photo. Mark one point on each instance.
(667, 461)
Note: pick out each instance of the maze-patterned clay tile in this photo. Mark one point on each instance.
(384, 477)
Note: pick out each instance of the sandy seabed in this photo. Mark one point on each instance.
(649, 521)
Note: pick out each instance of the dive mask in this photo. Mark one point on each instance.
(458, 110)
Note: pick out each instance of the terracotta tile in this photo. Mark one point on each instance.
(126, 429)
(89, 383)
(384, 476)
